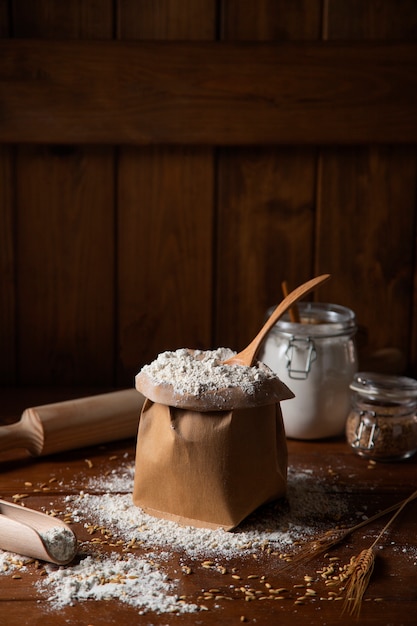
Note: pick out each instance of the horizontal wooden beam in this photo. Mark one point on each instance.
(207, 92)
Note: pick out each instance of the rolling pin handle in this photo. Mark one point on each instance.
(18, 435)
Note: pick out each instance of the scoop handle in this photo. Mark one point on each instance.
(248, 355)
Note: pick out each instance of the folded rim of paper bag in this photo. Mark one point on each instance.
(271, 391)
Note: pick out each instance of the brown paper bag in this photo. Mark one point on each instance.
(209, 469)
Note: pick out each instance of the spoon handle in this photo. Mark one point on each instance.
(248, 355)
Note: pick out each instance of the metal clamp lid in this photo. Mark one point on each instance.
(299, 347)
(361, 431)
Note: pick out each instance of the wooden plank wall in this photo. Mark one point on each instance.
(110, 254)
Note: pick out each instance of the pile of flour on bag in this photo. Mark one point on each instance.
(197, 372)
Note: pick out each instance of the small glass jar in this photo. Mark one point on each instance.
(382, 424)
(316, 358)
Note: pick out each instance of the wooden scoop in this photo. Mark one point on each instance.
(248, 355)
(35, 534)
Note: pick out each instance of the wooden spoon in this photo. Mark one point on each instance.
(248, 355)
(293, 311)
(35, 534)
(231, 397)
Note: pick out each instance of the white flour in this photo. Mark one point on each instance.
(308, 507)
(197, 372)
(140, 579)
(60, 542)
(130, 579)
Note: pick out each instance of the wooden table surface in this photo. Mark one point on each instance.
(391, 598)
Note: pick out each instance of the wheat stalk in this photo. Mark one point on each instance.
(318, 546)
(335, 535)
(360, 569)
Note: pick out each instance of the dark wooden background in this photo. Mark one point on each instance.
(165, 164)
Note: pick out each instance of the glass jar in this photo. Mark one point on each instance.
(316, 358)
(382, 424)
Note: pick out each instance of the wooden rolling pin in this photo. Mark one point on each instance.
(76, 423)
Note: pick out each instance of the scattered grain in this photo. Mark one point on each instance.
(17, 497)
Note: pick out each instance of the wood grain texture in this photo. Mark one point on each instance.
(64, 230)
(4, 18)
(166, 20)
(7, 270)
(210, 166)
(65, 220)
(271, 20)
(207, 93)
(165, 216)
(373, 19)
(368, 247)
(52, 19)
(369, 244)
(265, 196)
(264, 235)
(165, 252)
(7, 246)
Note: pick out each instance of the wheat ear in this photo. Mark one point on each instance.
(360, 569)
(359, 573)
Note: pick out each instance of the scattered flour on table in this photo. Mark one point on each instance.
(196, 372)
(10, 562)
(129, 579)
(308, 507)
(140, 580)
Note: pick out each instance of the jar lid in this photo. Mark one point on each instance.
(318, 319)
(384, 386)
